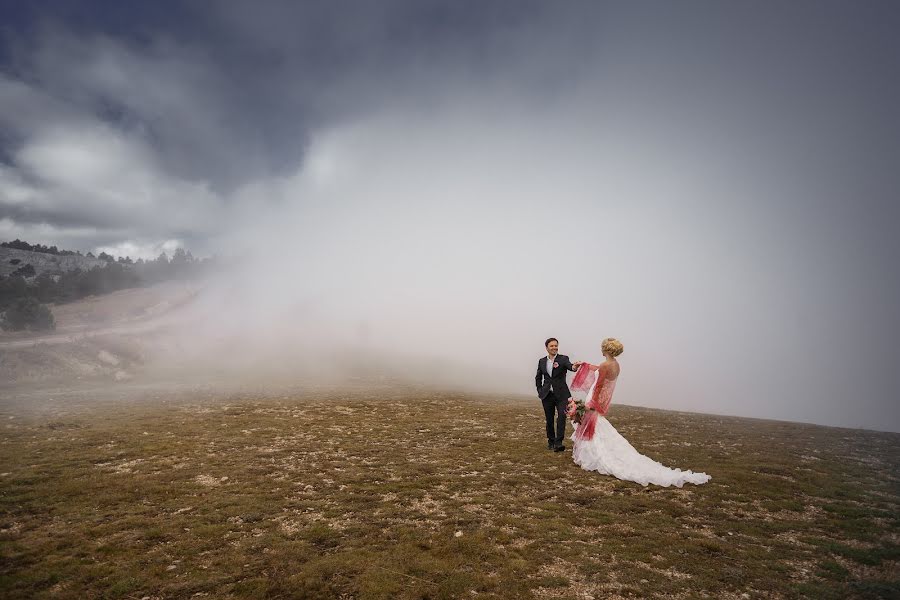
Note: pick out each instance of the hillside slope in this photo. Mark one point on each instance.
(12, 259)
(102, 337)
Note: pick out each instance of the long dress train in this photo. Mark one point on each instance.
(599, 447)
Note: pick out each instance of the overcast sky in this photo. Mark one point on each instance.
(715, 183)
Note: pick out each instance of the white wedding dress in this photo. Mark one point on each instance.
(608, 453)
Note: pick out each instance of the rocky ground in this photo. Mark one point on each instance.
(389, 492)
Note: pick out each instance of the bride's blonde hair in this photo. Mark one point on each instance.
(612, 346)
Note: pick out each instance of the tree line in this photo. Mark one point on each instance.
(18, 244)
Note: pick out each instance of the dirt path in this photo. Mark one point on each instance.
(142, 326)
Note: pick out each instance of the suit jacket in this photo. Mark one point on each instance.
(554, 383)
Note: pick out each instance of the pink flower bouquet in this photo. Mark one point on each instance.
(575, 410)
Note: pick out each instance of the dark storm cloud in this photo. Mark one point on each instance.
(232, 93)
(216, 99)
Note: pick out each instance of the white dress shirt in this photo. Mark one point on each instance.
(550, 361)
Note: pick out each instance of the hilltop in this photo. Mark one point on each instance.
(376, 491)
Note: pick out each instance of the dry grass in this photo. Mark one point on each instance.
(415, 494)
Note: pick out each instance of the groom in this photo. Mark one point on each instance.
(550, 381)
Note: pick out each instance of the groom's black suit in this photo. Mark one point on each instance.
(554, 394)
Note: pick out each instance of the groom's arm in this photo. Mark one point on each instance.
(568, 365)
(539, 378)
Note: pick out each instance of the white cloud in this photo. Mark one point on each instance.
(147, 251)
(87, 169)
(14, 190)
(47, 234)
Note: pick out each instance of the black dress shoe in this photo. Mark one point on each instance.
(560, 448)
(551, 446)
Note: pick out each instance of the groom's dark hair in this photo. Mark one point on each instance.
(547, 343)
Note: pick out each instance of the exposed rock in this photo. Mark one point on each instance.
(12, 259)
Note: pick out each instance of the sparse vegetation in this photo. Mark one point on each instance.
(430, 495)
(24, 271)
(27, 313)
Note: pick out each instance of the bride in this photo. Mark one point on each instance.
(598, 446)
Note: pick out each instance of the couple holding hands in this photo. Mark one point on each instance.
(597, 445)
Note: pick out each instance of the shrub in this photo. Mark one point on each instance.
(24, 271)
(27, 313)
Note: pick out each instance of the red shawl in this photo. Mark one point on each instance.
(598, 404)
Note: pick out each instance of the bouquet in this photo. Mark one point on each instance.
(575, 410)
